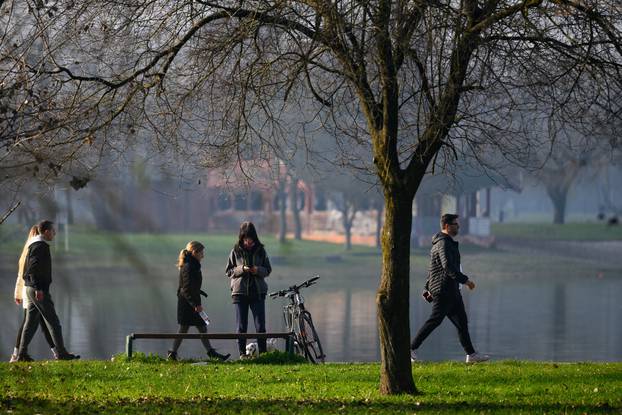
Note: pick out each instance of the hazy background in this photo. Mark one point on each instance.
(544, 291)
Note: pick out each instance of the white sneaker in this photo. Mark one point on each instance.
(476, 358)
(413, 356)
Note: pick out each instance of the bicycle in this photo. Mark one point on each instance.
(298, 320)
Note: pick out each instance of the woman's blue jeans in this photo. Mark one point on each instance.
(258, 308)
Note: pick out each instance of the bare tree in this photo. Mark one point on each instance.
(417, 82)
(350, 193)
(348, 197)
(611, 202)
(574, 147)
(561, 171)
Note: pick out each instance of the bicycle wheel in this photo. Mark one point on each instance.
(310, 339)
(299, 348)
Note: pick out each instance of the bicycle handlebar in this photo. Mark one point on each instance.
(295, 288)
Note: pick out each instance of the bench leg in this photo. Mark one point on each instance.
(128, 346)
(289, 345)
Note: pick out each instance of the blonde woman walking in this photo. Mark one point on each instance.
(189, 298)
(21, 298)
(37, 279)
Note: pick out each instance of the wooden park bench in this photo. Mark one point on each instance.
(289, 338)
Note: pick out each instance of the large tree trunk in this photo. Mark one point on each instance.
(399, 186)
(392, 299)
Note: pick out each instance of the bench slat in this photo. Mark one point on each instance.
(211, 336)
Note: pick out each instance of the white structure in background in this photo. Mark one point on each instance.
(479, 226)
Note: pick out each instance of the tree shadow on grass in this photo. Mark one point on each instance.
(276, 406)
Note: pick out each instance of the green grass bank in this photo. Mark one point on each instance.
(103, 247)
(551, 232)
(250, 388)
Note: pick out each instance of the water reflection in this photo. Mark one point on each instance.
(555, 319)
(347, 327)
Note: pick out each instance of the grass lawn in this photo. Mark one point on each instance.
(249, 388)
(566, 232)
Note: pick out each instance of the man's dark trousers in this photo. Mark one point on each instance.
(37, 310)
(447, 305)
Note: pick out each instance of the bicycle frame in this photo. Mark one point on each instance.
(291, 314)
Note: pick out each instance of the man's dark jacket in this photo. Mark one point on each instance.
(444, 273)
(38, 272)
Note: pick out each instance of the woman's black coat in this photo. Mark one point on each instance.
(189, 292)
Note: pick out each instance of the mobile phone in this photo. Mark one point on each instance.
(427, 296)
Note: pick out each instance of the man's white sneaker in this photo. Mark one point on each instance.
(476, 358)
(413, 356)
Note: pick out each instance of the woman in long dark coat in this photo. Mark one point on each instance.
(189, 298)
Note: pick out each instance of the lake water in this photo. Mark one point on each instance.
(555, 318)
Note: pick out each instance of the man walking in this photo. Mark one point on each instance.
(37, 279)
(443, 291)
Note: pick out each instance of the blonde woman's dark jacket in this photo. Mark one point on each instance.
(244, 283)
(189, 292)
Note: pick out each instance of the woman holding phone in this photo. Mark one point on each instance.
(247, 268)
